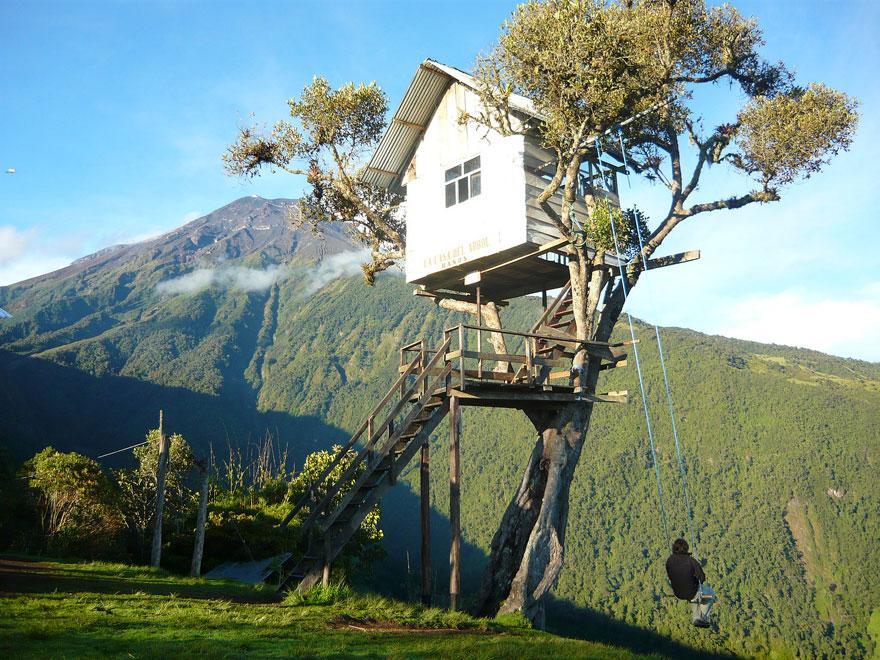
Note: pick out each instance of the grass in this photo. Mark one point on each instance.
(68, 609)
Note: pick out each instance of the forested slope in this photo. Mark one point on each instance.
(782, 444)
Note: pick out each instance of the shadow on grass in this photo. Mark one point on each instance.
(569, 620)
(23, 575)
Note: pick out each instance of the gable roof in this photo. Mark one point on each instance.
(422, 97)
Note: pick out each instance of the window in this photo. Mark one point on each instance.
(463, 182)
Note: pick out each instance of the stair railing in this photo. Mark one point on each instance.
(368, 446)
(367, 425)
(386, 449)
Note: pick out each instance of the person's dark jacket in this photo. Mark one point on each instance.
(685, 574)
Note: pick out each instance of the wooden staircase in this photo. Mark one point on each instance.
(393, 433)
(558, 340)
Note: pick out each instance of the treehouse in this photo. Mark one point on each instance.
(471, 192)
(473, 228)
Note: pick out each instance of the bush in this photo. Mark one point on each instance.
(77, 503)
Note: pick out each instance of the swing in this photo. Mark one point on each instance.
(704, 598)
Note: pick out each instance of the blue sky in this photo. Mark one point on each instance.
(114, 115)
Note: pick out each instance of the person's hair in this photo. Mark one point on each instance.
(680, 547)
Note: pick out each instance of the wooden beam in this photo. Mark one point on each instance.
(408, 124)
(425, 491)
(672, 259)
(381, 171)
(475, 395)
(454, 502)
(544, 249)
(454, 295)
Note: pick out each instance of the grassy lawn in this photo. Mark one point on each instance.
(59, 609)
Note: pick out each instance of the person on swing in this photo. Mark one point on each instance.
(687, 579)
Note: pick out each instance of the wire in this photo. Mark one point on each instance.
(119, 451)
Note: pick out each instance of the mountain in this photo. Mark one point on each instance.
(237, 325)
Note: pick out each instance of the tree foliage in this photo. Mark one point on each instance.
(589, 66)
(137, 488)
(328, 140)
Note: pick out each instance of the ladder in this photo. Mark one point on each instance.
(418, 403)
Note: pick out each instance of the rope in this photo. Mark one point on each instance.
(678, 453)
(632, 333)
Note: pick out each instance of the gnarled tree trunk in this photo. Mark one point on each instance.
(528, 548)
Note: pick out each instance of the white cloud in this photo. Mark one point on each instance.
(25, 254)
(28, 267)
(226, 277)
(13, 243)
(344, 264)
(333, 267)
(848, 327)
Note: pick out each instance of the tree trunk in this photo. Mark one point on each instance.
(527, 549)
(199, 545)
(491, 319)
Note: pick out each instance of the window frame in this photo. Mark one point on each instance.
(460, 184)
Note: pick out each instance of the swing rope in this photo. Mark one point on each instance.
(678, 451)
(663, 515)
(679, 454)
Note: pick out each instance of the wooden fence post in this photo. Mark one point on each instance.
(161, 469)
(199, 545)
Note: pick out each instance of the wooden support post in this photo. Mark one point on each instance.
(425, 484)
(544, 300)
(161, 469)
(479, 333)
(454, 502)
(325, 575)
(201, 518)
(462, 348)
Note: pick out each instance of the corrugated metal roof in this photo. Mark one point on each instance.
(419, 103)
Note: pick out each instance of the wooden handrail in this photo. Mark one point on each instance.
(553, 307)
(389, 444)
(335, 487)
(556, 338)
(344, 450)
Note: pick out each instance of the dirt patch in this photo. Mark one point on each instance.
(344, 621)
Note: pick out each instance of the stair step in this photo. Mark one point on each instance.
(560, 324)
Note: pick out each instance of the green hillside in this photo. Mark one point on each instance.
(782, 444)
(54, 609)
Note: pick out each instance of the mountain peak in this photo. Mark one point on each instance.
(250, 226)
